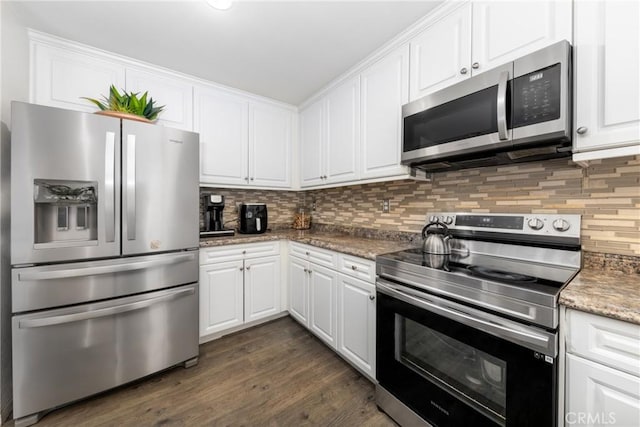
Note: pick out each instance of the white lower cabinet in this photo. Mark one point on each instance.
(602, 385)
(323, 298)
(357, 322)
(241, 288)
(333, 301)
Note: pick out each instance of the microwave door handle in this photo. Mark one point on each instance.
(131, 187)
(502, 105)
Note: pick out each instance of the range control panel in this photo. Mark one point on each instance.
(531, 224)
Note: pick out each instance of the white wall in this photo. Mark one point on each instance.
(14, 85)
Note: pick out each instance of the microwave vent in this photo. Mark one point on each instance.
(532, 152)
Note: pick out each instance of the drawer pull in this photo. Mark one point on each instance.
(372, 297)
(307, 253)
(354, 267)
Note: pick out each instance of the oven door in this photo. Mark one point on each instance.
(454, 365)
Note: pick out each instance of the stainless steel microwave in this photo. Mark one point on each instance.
(517, 112)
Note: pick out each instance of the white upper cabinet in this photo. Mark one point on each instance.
(330, 136)
(311, 144)
(506, 30)
(60, 77)
(174, 93)
(270, 145)
(384, 89)
(440, 55)
(607, 86)
(243, 142)
(343, 132)
(479, 36)
(222, 120)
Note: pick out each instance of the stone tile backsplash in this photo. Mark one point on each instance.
(606, 194)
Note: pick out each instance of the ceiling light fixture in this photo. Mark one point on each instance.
(220, 4)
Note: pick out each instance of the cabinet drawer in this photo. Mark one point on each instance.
(315, 255)
(235, 252)
(360, 268)
(611, 342)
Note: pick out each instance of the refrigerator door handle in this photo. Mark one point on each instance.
(109, 184)
(102, 312)
(131, 187)
(106, 269)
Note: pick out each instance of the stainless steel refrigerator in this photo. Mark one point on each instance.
(104, 254)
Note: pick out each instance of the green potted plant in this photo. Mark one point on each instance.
(127, 105)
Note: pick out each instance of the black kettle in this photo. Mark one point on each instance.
(436, 239)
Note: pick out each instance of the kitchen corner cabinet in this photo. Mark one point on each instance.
(61, 77)
(330, 136)
(174, 93)
(384, 89)
(239, 284)
(481, 35)
(242, 142)
(333, 295)
(602, 370)
(607, 86)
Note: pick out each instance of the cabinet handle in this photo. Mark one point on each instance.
(306, 271)
(310, 271)
(246, 178)
(306, 253)
(251, 178)
(475, 65)
(463, 70)
(582, 130)
(248, 268)
(354, 267)
(241, 268)
(244, 252)
(372, 297)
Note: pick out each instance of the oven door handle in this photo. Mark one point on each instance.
(502, 328)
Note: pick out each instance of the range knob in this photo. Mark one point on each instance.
(447, 220)
(535, 223)
(561, 225)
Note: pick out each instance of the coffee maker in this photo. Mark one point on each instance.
(213, 205)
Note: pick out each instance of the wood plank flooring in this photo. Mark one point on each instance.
(276, 374)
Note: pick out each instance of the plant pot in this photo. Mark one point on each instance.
(121, 115)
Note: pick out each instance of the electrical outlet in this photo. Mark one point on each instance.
(385, 205)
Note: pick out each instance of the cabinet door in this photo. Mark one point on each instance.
(222, 120)
(61, 77)
(357, 323)
(175, 94)
(221, 296)
(607, 66)
(261, 288)
(299, 290)
(312, 142)
(441, 55)
(600, 395)
(504, 31)
(323, 302)
(384, 90)
(270, 140)
(343, 132)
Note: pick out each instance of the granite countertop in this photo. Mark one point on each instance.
(362, 247)
(603, 292)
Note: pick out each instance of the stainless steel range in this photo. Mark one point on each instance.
(469, 336)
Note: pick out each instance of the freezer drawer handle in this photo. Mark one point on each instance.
(131, 187)
(109, 186)
(106, 269)
(102, 312)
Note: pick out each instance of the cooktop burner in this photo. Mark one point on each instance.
(490, 273)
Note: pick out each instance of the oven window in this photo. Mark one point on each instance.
(471, 375)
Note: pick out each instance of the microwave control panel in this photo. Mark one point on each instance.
(536, 97)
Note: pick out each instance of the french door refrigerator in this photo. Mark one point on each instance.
(104, 254)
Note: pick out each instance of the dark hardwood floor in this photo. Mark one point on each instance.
(275, 374)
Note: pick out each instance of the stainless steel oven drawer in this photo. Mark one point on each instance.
(67, 354)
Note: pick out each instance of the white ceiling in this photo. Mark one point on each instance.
(286, 50)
